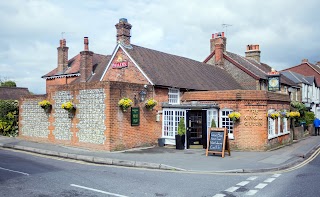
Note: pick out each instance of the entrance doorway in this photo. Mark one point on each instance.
(196, 129)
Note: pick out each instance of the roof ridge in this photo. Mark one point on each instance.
(252, 64)
(247, 61)
(293, 74)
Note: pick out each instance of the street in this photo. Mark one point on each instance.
(23, 174)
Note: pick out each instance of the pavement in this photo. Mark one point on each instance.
(168, 158)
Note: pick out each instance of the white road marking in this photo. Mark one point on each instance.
(14, 171)
(276, 175)
(96, 190)
(252, 178)
(251, 192)
(260, 185)
(219, 195)
(269, 180)
(232, 189)
(243, 183)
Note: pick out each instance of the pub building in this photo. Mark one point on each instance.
(199, 92)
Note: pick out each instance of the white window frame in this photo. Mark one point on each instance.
(170, 121)
(271, 128)
(211, 114)
(285, 126)
(225, 119)
(174, 96)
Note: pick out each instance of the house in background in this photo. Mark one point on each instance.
(307, 75)
(249, 71)
(13, 93)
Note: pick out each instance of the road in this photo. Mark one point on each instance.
(24, 174)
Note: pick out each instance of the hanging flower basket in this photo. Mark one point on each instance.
(125, 103)
(46, 105)
(273, 115)
(293, 114)
(234, 116)
(69, 106)
(150, 104)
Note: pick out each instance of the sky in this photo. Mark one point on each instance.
(287, 31)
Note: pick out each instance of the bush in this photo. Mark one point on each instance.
(181, 127)
(9, 110)
(309, 117)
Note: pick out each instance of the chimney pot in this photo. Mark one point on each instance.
(253, 52)
(86, 43)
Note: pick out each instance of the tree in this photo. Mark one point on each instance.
(8, 84)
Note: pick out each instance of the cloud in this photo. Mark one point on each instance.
(286, 31)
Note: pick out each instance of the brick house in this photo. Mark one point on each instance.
(197, 91)
(307, 75)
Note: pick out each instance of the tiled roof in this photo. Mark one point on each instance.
(295, 77)
(259, 70)
(175, 71)
(99, 64)
(13, 93)
(301, 68)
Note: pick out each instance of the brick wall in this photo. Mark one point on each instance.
(129, 74)
(245, 80)
(97, 123)
(251, 132)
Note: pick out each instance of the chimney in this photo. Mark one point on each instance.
(62, 56)
(86, 62)
(253, 52)
(304, 61)
(218, 43)
(123, 31)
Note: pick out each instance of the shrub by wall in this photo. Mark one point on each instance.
(9, 113)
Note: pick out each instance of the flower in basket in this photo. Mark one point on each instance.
(150, 103)
(68, 106)
(273, 115)
(125, 103)
(294, 114)
(284, 114)
(234, 116)
(45, 104)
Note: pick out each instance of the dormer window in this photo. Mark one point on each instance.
(174, 96)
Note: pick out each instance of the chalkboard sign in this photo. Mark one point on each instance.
(218, 141)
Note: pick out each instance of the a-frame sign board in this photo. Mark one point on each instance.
(218, 141)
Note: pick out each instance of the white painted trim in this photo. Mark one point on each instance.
(62, 76)
(113, 54)
(134, 62)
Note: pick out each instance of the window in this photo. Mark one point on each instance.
(174, 96)
(285, 125)
(271, 128)
(226, 122)
(212, 114)
(285, 89)
(171, 118)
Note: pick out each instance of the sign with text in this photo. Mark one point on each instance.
(135, 116)
(119, 62)
(218, 141)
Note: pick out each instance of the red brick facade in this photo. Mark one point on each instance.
(251, 132)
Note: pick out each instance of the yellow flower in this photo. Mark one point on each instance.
(234, 116)
(67, 106)
(125, 103)
(150, 103)
(44, 104)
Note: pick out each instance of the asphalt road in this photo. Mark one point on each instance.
(23, 174)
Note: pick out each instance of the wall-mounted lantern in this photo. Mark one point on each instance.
(142, 95)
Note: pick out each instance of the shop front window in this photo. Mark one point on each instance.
(171, 118)
(226, 122)
(212, 114)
